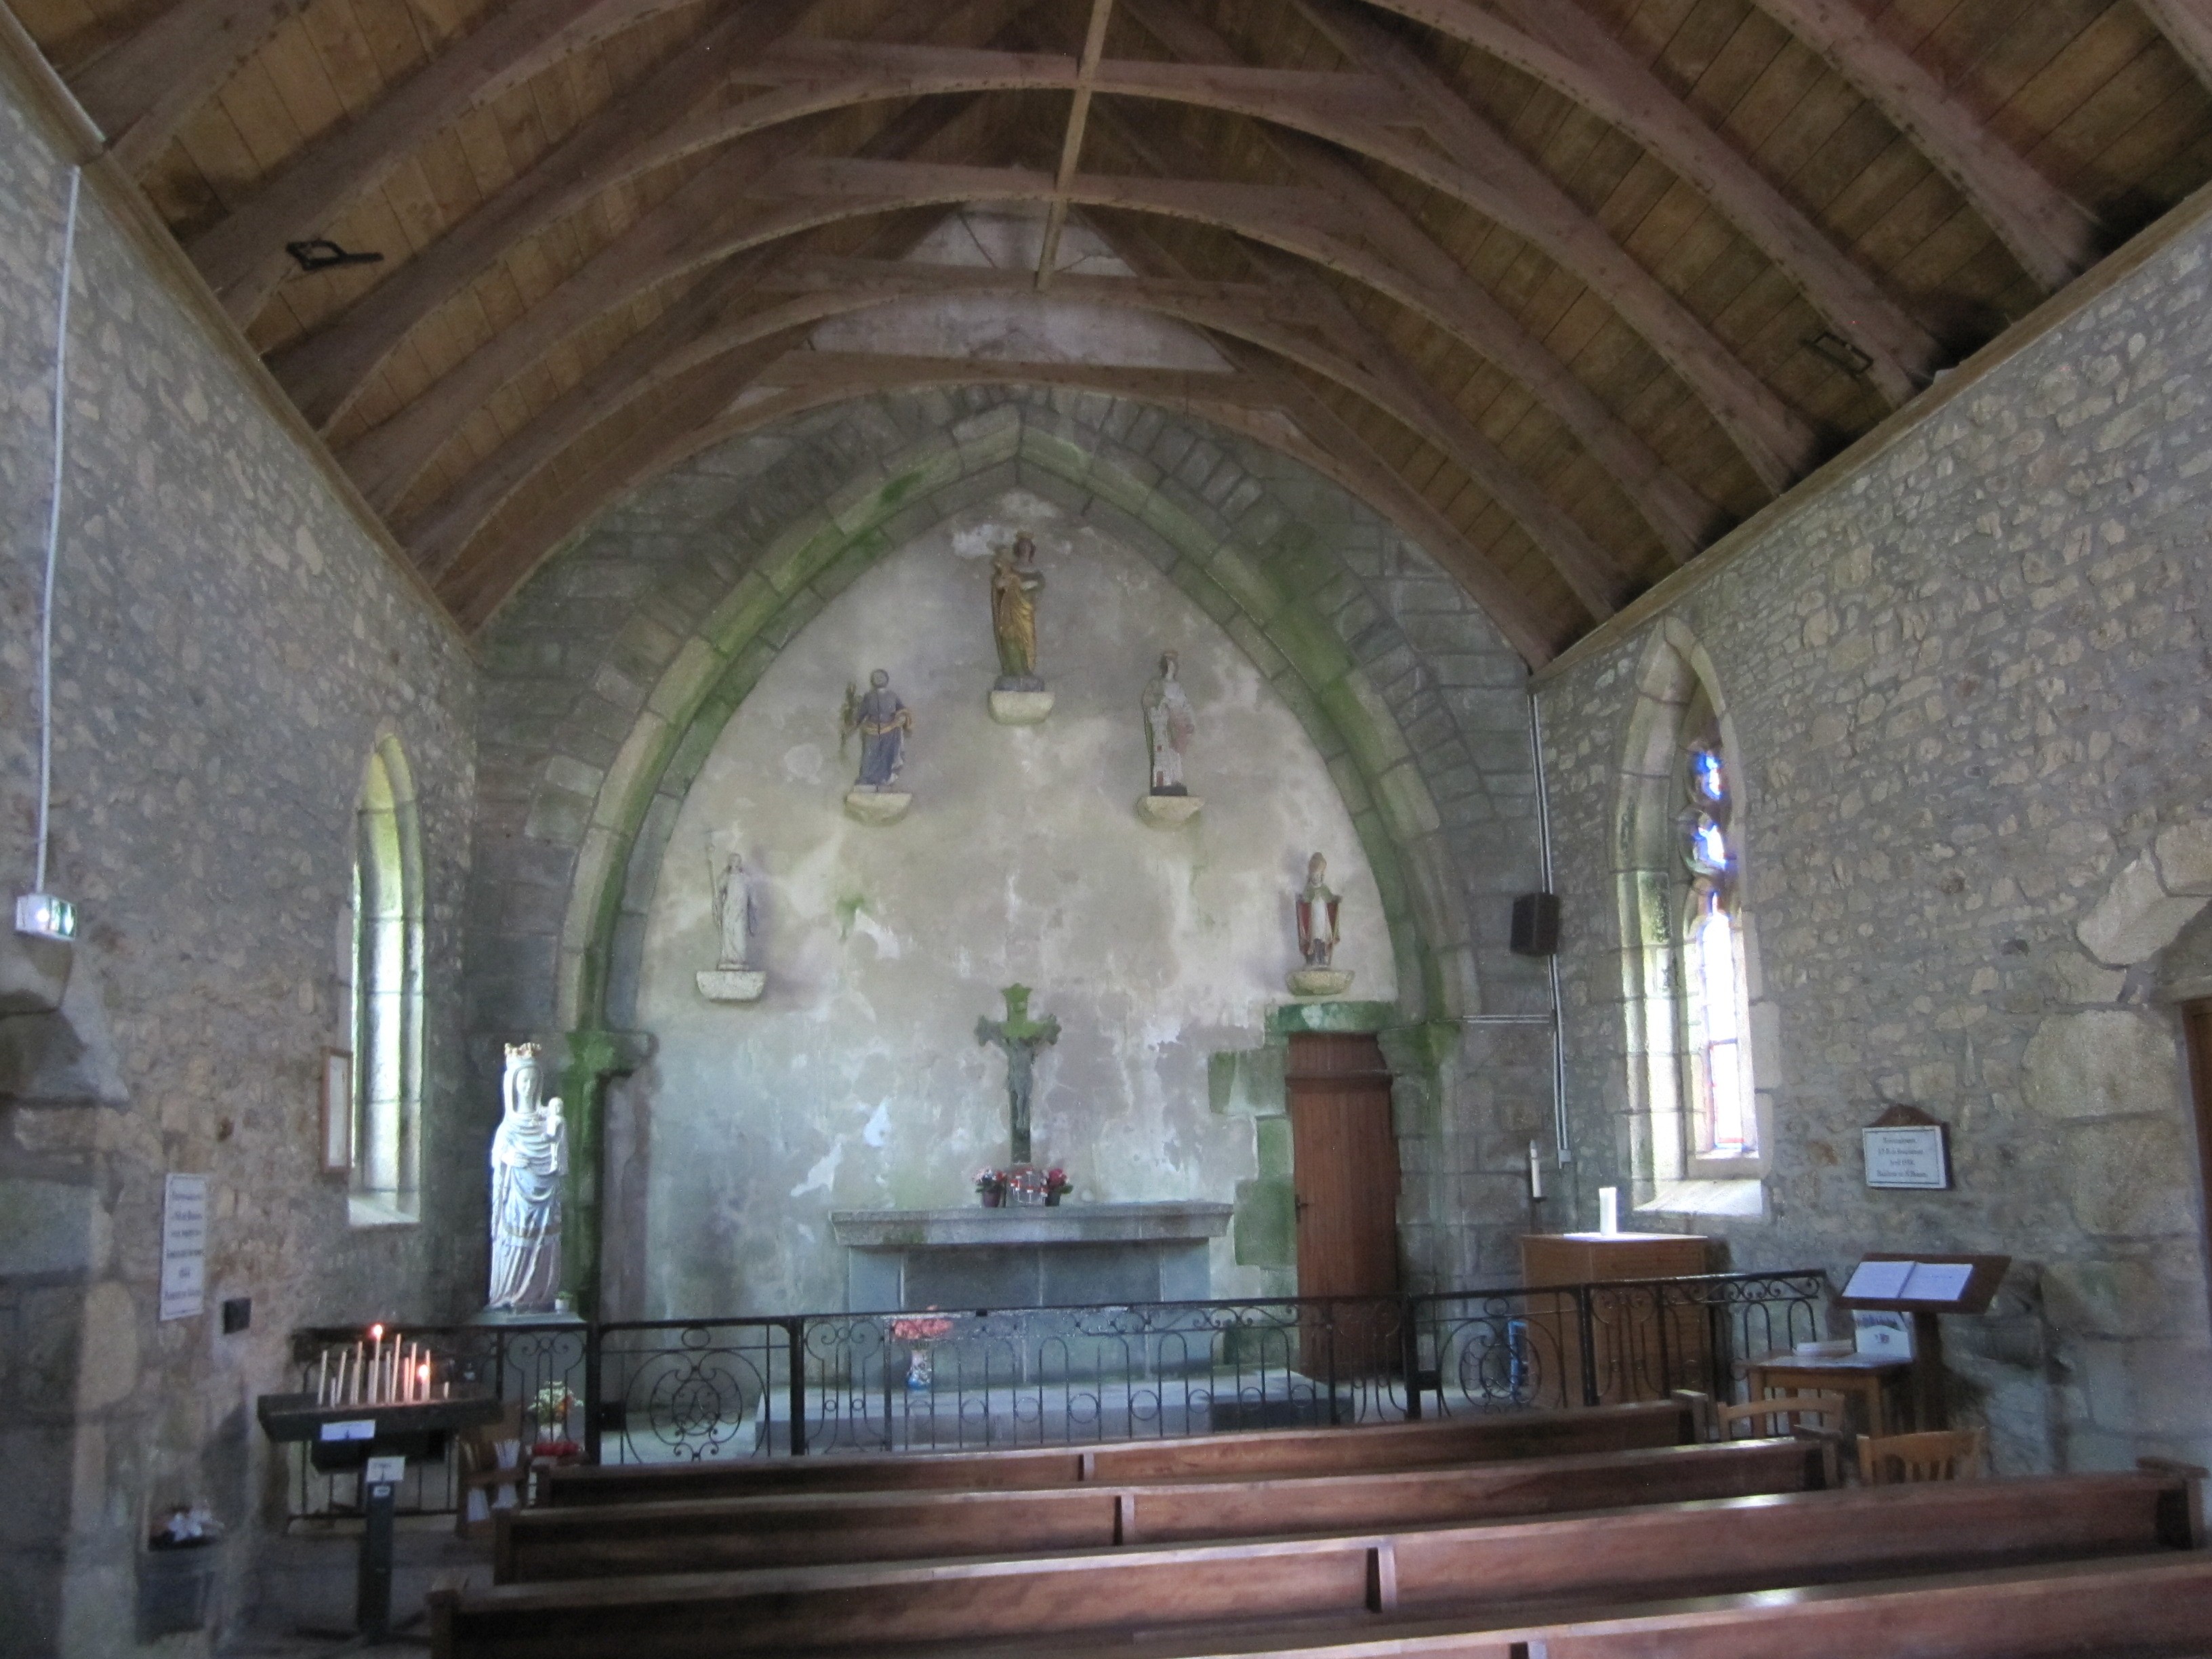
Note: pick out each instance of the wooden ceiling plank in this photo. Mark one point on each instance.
(649, 129)
(1522, 196)
(1562, 47)
(242, 257)
(2053, 236)
(2187, 26)
(1417, 272)
(141, 91)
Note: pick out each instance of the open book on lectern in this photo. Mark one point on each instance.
(1909, 1281)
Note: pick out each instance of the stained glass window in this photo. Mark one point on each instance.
(1716, 1048)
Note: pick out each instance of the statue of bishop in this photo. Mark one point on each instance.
(529, 1160)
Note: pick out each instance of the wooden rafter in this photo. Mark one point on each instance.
(1071, 142)
(1275, 318)
(323, 372)
(1779, 445)
(1556, 43)
(676, 431)
(1474, 165)
(2187, 26)
(242, 254)
(142, 89)
(806, 191)
(2051, 235)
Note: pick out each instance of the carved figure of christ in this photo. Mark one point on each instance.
(1018, 1038)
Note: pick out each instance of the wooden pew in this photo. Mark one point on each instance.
(1675, 1422)
(1545, 1580)
(720, 1533)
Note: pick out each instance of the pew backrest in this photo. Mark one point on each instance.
(818, 1529)
(1349, 1450)
(1722, 1551)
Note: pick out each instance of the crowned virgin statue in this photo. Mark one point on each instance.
(529, 1157)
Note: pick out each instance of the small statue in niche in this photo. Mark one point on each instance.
(1018, 696)
(730, 979)
(1169, 728)
(529, 1160)
(883, 723)
(1317, 908)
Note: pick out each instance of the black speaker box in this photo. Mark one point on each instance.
(1536, 924)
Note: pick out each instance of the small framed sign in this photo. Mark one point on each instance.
(1906, 1148)
(337, 1112)
(1908, 1156)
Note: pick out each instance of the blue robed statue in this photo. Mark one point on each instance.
(884, 723)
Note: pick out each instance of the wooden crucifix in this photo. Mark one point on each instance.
(1018, 1038)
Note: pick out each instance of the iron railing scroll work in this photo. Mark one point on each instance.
(648, 1391)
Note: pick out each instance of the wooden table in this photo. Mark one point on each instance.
(1858, 1377)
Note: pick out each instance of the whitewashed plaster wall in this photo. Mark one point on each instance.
(857, 1083)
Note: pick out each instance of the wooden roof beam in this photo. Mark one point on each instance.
(1560, 45)
(1267, 316)
(1529, 201)
(681, 427)
(143, 90)
(2053, 236)
(807, 192)
(242, 255)
(657, 122)
(2187, 26)
(1780, 446)
(1370, 368)
(1071, 144)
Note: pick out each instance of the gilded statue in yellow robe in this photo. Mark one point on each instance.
(1015, 584)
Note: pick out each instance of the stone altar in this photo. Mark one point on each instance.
(1028, 1256)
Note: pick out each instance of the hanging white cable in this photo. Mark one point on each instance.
(54, 532)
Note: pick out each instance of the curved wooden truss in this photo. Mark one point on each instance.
(1403, 263)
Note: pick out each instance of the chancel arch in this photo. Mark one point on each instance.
(1697, 1121)
(1425, 745)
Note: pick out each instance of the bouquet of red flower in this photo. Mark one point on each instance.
(917, 1328)
(991, 1187)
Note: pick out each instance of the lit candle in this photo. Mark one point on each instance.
(1535, 1173)
(423, 1381)
(376, 1364)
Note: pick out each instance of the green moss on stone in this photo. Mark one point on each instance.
(1265, 1226)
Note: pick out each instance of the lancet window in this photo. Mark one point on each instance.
(383, 963)
(1722, 1122)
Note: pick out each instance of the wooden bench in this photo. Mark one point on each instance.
(1675, 1422)
(1548, 1576)
(717, 1534)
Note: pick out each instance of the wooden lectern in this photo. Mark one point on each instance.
(1966, 1292)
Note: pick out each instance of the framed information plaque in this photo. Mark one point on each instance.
(1907, 1155)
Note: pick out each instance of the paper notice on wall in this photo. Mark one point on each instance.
(184, 1247)
(1878, 1281)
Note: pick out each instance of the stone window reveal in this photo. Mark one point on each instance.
(384, 966)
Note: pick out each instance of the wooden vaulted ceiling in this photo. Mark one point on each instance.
(1564, 287)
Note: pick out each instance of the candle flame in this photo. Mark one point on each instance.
(376, 1332)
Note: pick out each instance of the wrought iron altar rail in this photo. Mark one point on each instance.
(673, 1390)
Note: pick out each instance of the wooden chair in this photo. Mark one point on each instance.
(1780, 1414)
(487, 1483)
(1935, 1455)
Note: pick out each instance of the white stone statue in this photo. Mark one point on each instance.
(529, 1159)
(729, 979)
(733, 909)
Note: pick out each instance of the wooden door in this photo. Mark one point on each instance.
(2196, 1028)
(1344, 1157)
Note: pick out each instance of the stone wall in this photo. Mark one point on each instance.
(1964, 674)
(229, 642)
(611, 674)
